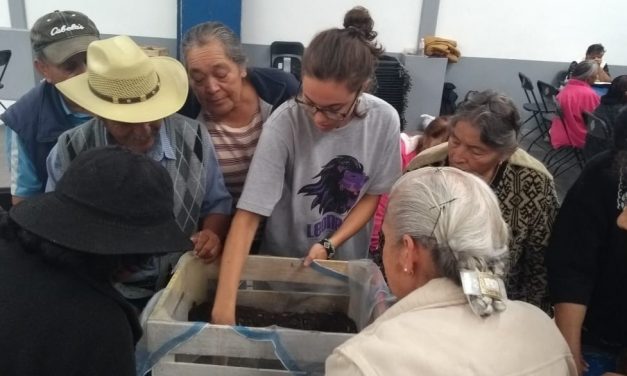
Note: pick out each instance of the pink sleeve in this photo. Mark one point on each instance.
(378, 221)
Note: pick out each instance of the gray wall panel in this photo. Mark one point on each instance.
(425, 96)
(20, 74)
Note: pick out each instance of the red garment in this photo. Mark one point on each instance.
(406, 157)
(577, 96)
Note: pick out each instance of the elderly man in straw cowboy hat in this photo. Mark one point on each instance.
(134, 99)
(59, 253)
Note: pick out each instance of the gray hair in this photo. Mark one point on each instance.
(41, 56)
(456, 216)
(585, 70)
(496, 117)
(206, 32)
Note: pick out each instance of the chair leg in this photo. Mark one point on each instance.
(535, 141)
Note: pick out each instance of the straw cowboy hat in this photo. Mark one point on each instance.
(123, 84)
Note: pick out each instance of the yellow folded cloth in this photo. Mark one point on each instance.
(436, 46)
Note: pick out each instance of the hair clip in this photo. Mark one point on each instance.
(485, 291)
(441, 206)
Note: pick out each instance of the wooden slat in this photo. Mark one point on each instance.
(221, 340)
(191, 369)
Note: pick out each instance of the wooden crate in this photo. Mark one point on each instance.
(219, 349)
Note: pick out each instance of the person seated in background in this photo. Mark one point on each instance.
(134, 99)
(596, 52)
(444, 237)
(60, 252)
(59, 41)
(231, 100)
(435, 133)
(613, 101)
(577, 96)
(587, 262)
(322, 161)
(483, 141)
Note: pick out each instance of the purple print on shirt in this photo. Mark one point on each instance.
(340, 182)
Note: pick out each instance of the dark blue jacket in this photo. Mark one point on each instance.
(38, 119)
(273, 86)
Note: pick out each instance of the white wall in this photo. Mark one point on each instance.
(5, 17)
(147, 18)
(556, 30)
(266, 21)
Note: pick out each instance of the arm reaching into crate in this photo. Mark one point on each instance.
(357, 218)
(236, 249)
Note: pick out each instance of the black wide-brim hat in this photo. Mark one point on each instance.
(110, 201)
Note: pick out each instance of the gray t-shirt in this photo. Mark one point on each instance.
(306, 180)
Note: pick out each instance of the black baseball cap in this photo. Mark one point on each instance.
(62, 34)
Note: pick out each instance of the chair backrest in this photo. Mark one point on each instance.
(548, 93)
(596, 126)
(392, 83)
(287, 56)
(599, 136)
(5, 56)
(527, 86)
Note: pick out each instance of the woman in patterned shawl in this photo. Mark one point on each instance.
(483, 141)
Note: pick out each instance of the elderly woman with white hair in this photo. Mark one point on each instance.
(575, 98)
(444, 255)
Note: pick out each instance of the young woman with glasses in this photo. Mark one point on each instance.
(321, 164)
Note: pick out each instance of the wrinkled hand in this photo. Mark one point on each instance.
(316, 252)
(207, 245)
(221, 316)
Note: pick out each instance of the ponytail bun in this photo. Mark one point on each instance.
(358, 20)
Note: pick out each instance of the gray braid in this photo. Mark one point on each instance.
(456, 216)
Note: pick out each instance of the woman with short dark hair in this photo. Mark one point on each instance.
(231, 99)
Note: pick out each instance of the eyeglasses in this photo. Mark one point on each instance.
(311, 108)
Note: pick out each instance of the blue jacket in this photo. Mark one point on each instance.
(38, 118)
(273, 86)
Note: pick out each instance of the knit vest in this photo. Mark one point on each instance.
(190, 142)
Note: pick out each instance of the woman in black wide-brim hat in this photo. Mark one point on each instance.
(59, 311)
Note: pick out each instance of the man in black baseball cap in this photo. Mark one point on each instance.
(59, 41)
(62, 34)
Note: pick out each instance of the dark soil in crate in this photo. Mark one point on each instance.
(336, 322)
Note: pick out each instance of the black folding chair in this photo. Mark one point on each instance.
(533, 106)
(598, 136)
(287, 56)
(5, 56)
